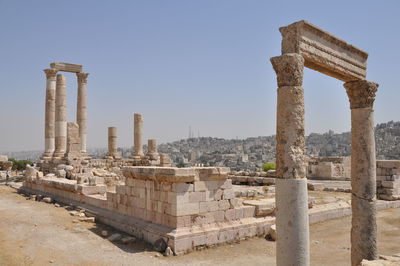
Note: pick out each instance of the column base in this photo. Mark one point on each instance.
(292, 223)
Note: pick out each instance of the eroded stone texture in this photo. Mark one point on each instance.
(324, 52)
(81, 112)
(49, 128)
(61, 117)
(73, 141)
(290, 147)
(291, 190)
(363, 170)
(137, 138)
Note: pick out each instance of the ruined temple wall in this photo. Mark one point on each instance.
(388, 179)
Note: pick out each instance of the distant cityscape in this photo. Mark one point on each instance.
(252, 153)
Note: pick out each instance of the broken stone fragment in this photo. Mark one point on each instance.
(115, 237)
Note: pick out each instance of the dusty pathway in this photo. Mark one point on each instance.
(36, 233)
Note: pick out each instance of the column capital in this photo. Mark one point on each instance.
(50, 73)
(361, 93)
(289, 69)
(82, 77)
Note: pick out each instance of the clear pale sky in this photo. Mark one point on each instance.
(203, 64)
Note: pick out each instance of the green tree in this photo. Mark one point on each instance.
(19, 165)
(268, 166)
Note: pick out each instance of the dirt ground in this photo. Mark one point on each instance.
(36, 233)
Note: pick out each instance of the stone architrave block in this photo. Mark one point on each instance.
(324, 52)
(212, 173)
(67, 67)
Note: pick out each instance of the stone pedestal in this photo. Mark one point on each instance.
(81, 112)
(291, 195)
(112, 142)
(49, 127)
(363, 171)
(61, 118)
(137, 136)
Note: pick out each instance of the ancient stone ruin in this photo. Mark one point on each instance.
(182, 209)
(304, 44)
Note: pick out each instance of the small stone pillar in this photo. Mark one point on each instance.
(291, 184)
(152, 149)
(50, 112)
(363, 171)
(81, 108)
(61, 117)
(137, 138)
(112, 142)
(165, 161)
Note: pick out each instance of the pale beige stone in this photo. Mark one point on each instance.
(50, 110)
(67, 67)
(81, 108)
(137, 138)
(324, 52)
(363, 171)
(61, 117)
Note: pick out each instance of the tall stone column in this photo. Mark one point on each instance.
(112, 142)
(152, 149)
(363, 170)
(81, 112)
(291, 185)
(137, 136)
(61, 117)
(50, 109)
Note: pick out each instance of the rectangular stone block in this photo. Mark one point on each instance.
(230, 214)
(182, 187)
(67, 67)
(208, 206)
(390, 184)
(219, 216)
(324, 52)
(198, 196)
(248, 211)
(183, 209)
(224, 205)
(178, 198)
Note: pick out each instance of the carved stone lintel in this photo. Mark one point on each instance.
(361, 93)
(82, 77)
(50, 73)
(289, 69)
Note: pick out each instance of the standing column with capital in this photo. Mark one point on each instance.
(291, 196)
(81, 112)
(137, 136)
(50, 109)
(61, 117)
(361, 94)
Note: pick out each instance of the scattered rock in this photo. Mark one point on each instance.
(51, 261)
(87, 219)
(32, 197)
(128, 240)
(115, 237)
(47, 200)
(74, 213)
(160, 245)
(81, 214)
(271, 235)
(104, 233)
(168, 252)
(157, 255)
(57, 205)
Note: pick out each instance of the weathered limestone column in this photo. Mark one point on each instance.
(137, 138)
(112, 142)
(363, 170)
(291, 184)
(61, 117)
(81, 112)
(152, 149)
(50, 109)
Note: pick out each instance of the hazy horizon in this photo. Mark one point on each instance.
(203, 64)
